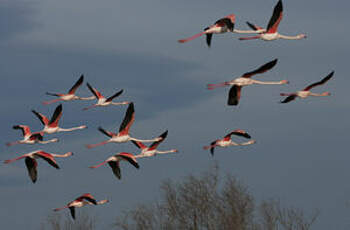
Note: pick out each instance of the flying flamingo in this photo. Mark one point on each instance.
(226, 141)
(70, 96)
(102, 101)
(32, 164)
(244, 80)
(51, 126)
(123, 134)
(223, 25)
(29, 137)
(152, 149)
(113, 162)
(81, 201)
(271, 30)
(306, 92)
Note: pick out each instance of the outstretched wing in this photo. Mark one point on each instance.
(289, 99)
(324, 80)
(56, 116)
(114, 96)
(234, 95)
(128, 119)
(76, 85)
(238, 132)
(130, 158)
(110, 134)
(139, 144)
(275, 18)
(48, 158)
(212, 148)
(32, 168)
(225, 22)
(115, 168)
(94, 91)
(261, 69)
(72, 212)
(41, 117)
(155, 144)
(25, 129)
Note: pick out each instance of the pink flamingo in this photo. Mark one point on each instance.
(102, 101)
(85, 199)
(123, 134)
(152, 149)
(306, 92)
(51, 126)
(271, 32)
(31, 163)
(244, 80)
(223, 25)
(70, 96)
(29, 137)
(113, 162)
(227, 141)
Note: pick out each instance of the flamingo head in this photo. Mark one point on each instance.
(326, 94)
(301, 36)
(284, 82)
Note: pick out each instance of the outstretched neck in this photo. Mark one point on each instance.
(296, 37)
(249, 31)
(270, 82)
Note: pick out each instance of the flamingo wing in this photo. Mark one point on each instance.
(88, 197)
(252, 26)
(32, 168)
(225, 22)
(76, 85)
(261, 69)
(94, 91)
(115, 168)
(155, 144)
(56, 116)
(208, 37)
(139, 144)
(72, 212)
(48, 158)
(234, 95)
(41, 117)
(212, 147)
(289, 98)
(130, 158)
(275, 18)
(128, 119)
(36, 136)
(324, 80)
(114, 96)
(110, 134)
(25, 129)
(238, 132)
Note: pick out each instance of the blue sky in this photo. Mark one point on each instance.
(300, 155)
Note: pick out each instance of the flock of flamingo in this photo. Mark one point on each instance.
(51, 126)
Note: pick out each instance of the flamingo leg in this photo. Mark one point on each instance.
(191, 38)
(213, 86)
(52, 101)
(12, 143)
(90, 107)
(95, 145)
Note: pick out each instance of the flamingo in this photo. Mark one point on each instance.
(81, 201)
(51, 126)
(113, 162)
(29, 137)
(223, 25)
(31, 163)
(306, 92)
(102, 101)
(271, 31)
(244, 80)
(123, 134)
(227, 141)
(152, 149)
(70, 96)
